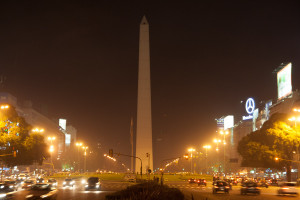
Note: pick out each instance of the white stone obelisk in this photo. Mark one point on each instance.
(144, 119)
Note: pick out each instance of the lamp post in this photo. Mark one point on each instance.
(224, 142)
(191, 150)
(78, 145)
(296, 119)
(51, 139)
(84, 148)
(206, 147)
(217, 141)
(38, 130)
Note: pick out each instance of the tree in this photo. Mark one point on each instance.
(275, 139)
(14, 136)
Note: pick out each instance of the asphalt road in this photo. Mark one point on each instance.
(198, 192)
(78, 192)
(205, 193)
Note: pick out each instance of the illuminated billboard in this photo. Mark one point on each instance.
(228, 122)
(63, 123)
(284, 81)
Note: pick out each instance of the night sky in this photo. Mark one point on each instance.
(80, 60)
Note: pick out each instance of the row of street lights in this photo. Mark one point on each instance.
(79, 146)
(208, 147)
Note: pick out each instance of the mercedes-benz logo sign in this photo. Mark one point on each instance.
(250, 106)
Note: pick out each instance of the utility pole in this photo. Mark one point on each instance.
(131, 142)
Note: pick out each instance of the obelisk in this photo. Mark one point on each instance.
(144, 119)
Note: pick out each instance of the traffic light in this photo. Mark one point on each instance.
(111, 152)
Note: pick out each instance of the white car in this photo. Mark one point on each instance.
(288, 188)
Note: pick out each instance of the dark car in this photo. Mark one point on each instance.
(192, 180)
(274, 182)
(263, 184)
(250, 187)
(6, 192)
(40, 180)
(220, 186)
(27, 184)
(93, 183)
(68, 182)
(12, 184)
(52, 182)
(42, 191)
(201, 182)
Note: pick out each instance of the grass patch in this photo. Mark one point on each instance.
(149, 191)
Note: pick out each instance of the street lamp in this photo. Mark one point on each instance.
(206, 147)
(51, 139)
(217, 141)
(224, 142)
(296, 119)
(4, 107)
(37, 130)
(191, 150)
(78, 145)
(85, 148)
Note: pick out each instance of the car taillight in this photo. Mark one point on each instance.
(216, 187)
(227, 187)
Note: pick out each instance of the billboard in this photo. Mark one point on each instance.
(228, 122)
(284, 81)
(63, 123)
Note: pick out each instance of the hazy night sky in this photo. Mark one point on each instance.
(81, 60)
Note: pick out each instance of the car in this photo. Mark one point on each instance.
(130, 178)
(263, 184)
(40, 180)
(250, 187)
(288, 188)
(12, 184)
(42, 191)
(52, 181)
(201, 182)
(68, 182)
(6, 192)
(220, 186)
(93, 183)
(192, 180)
(22, 176)
(27, 184)
(273, 182)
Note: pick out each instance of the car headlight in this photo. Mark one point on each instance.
(86, 185)
(2, 195)
(97, 186)
(72, 182)
(29, 196)
(2, 186)
(44, 196)
(83, 182)
(11, 186)
(64, 182)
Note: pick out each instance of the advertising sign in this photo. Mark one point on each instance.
(284, 81)
(250, 107)
(228, 122)
(63, 123)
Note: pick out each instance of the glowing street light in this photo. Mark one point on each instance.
(78, 145)
(217, 141)
(191, 150)
(224, 142)
(206, 147)
(85, 148)
(38, 130)
(51, 139)
(4, 107)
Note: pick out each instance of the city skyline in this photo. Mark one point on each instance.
(82, 60)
